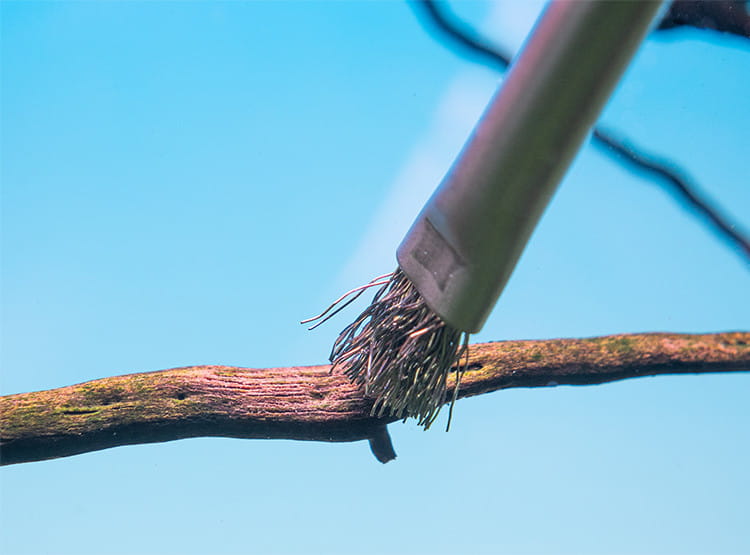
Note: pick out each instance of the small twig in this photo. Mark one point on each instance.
(622, 151)
(311, 403)
(381, 445)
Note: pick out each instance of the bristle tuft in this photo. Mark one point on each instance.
(402, 352)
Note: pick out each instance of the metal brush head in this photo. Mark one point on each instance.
(401, 352)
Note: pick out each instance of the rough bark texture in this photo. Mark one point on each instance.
(310, 403)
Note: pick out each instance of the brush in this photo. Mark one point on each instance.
(463, 246)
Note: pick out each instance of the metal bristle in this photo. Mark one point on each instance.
(402, 352)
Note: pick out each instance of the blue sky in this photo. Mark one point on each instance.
(182, 182)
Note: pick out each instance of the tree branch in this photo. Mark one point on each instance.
(724, 16)
(677, 183)
(310, 403)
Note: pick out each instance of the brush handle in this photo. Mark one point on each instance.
(463, 246)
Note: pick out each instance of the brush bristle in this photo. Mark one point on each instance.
(402, 352)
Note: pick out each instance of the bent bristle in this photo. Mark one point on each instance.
(402, 352)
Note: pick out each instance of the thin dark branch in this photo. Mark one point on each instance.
(468, 43)
(461, 35)
(679, 184)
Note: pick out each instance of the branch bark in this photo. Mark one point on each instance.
(310, 403)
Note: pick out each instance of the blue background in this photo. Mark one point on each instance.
(183, 182)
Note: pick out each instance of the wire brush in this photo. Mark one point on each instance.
(460, 252)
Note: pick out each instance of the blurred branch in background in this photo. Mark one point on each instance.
(730, 17)
(316, 404)
(678, 184)
(725, 16)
